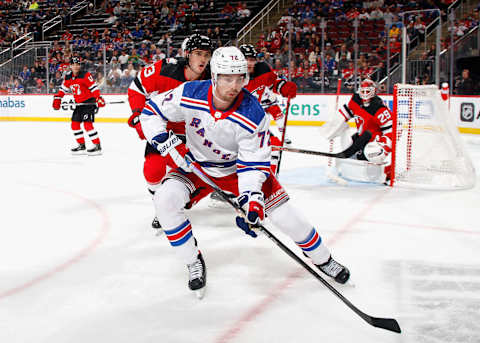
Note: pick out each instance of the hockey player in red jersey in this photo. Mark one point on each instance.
(158, 78)
(87, 96)
(372, 140)
(264, 85)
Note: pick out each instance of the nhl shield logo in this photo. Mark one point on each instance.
(467, 112)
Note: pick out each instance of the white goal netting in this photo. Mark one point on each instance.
(427, 148)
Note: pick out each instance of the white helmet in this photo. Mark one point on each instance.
(367, 90)
(228, 60)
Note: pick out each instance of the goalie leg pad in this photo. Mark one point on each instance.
(361, 171)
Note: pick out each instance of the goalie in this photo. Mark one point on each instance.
(372, 141)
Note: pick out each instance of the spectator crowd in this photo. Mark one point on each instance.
(114, 54)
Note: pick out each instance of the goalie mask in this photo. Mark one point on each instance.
(227, 61)
(367, 91)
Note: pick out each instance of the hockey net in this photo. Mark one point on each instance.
(427, 149)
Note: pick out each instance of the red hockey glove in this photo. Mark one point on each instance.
(254, 206)
(100, 102)
(57, 101)
(134, 121)
(172, 145)
(289, 90)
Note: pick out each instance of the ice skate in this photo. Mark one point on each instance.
(197, 276)
(96, 150)
(332, 268)
(156, 226)
(79, 150)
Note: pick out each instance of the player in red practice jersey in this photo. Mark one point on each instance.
(88, 99)
(158, 78)
(264, 85)
(373, 137)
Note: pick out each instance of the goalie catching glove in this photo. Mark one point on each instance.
(254, 206)
(377, 151)
(170, 144)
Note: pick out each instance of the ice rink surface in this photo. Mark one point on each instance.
(80, 262)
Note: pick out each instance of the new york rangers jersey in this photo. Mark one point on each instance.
(222, 142)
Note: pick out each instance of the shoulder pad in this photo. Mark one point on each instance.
(251, 108)
(82, 74)
(356, 98)
(173, 71)
(261, 68)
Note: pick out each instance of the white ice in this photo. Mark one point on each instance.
(79, 261)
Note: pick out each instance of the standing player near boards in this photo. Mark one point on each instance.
(85, 91)
(227, 136)
(158, 78)
(373, 137)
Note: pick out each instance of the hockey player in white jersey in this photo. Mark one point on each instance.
(227, 136)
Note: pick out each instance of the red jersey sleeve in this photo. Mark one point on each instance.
(146, 82)
(91, 85)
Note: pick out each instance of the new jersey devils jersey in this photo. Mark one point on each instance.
(82, 86)
(155, 79)
(375, 118)
(263, 82)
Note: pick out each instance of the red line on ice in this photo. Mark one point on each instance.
(83, 253)
(251, 314)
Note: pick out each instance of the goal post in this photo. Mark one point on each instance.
(427, 150)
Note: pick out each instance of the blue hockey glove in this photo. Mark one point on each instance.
(245, 227)
(253, 205)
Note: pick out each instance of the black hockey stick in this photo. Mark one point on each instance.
(321, 153)
(93, 103)
(283, 135)
(383, 323)
(357, 144)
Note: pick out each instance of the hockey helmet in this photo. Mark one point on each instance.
(228, 60)
(198, 42)
(248, 50)
(367, 90)
(184, 44)
(75, 60)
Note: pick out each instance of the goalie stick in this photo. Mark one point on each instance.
(321, 153)
(91, 103)
(357, 144)
(382, 323)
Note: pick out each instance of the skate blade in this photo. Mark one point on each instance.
(78, 153)
(158, 232)
(96, 153)
(200, 293)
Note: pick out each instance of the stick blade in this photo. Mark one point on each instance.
(386, 323)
